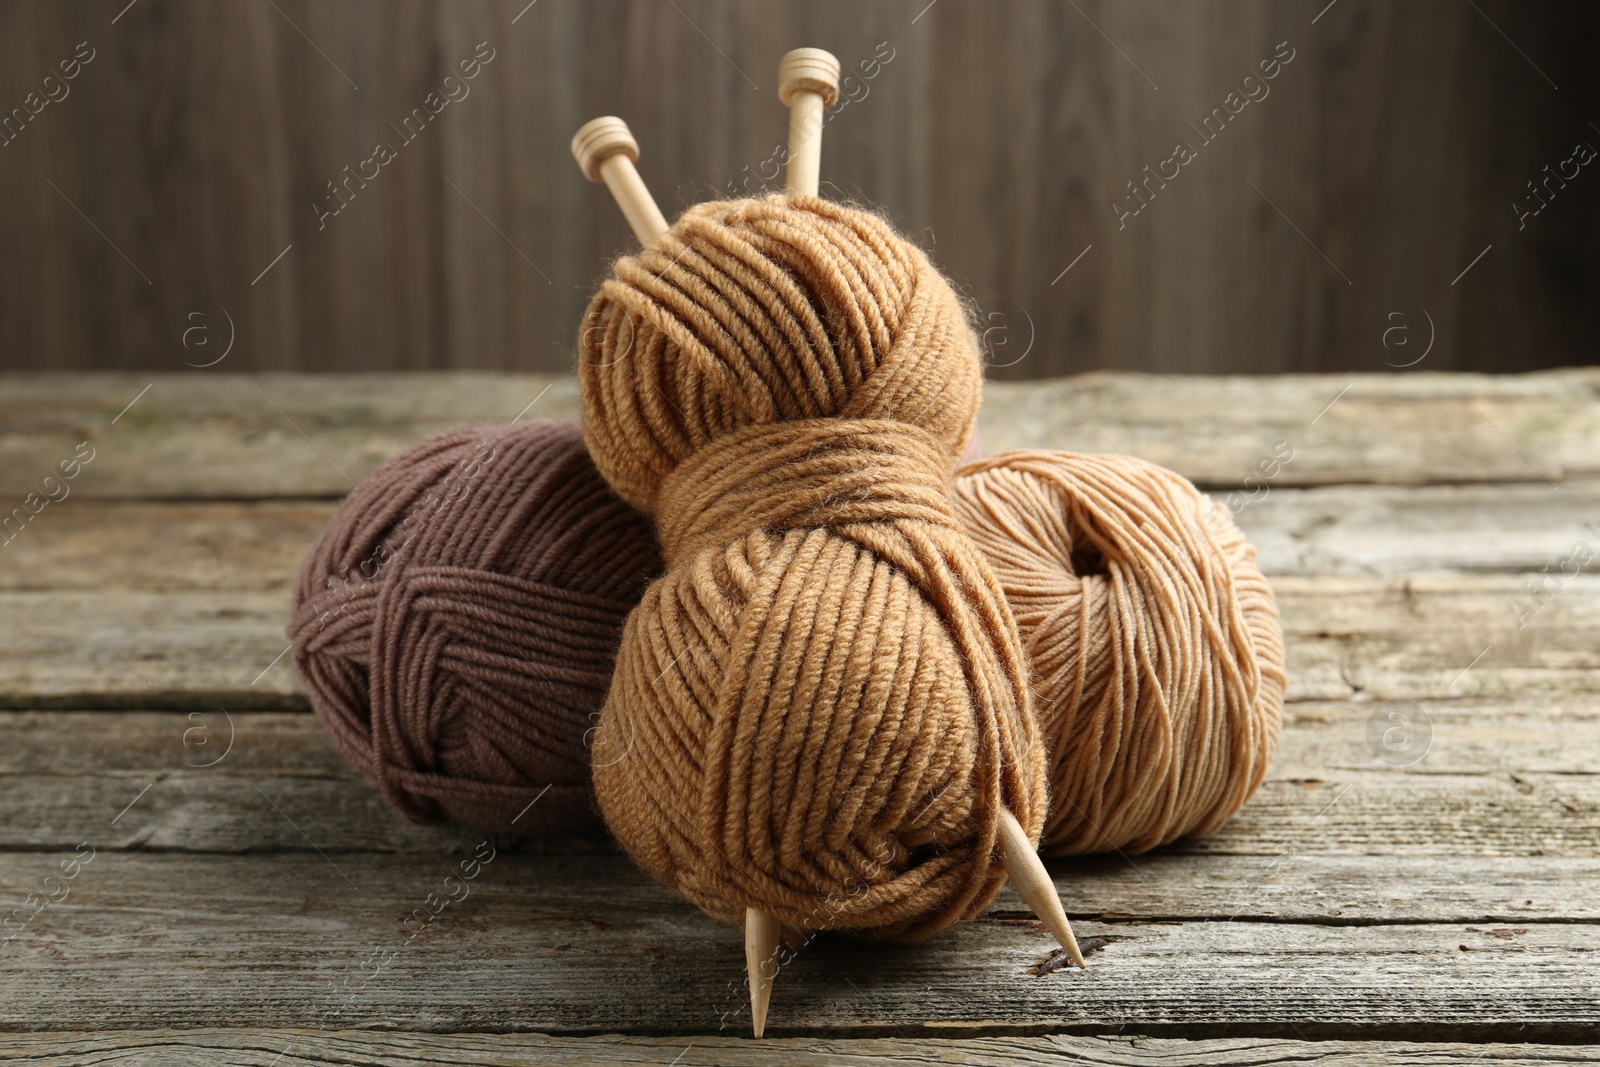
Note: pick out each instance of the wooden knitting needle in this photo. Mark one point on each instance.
(606, 151)
(808, 82)
(761, 934)
(1023, 866)
(1033, 883)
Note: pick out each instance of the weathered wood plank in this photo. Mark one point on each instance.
(1293, 886)
(1430, 637)
(314, 1048)
(1439, 637)
(164, 545)
(1326, 748)
(194, 649)
(1548, 736)
(1382, 531)
(158, 742)
(1300, 885)
(1362, 812)
(1450, 737)
(1377, 813)
(1374, 531)
(1477, 780)
(237, 437)
(1466, 778)
(1382, 429)
(290, 941)
(1007, 164)
(300, 435)
(1485, 780)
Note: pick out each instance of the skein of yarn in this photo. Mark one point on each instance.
(456, 622)
(821, 710)
(1158, 661)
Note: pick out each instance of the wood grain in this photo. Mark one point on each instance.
(999, 135)
(531, 947)
(258, 1047)
(1357, 531)
(1394, 531)
(1439, 888)
(1362, 812)
(165, 545)
(1555, 736)
(1487, 781)
(1390, 429)
(311, 1048)
(231, 436)
(246, 438)
(1424, 638)
(1289, 884)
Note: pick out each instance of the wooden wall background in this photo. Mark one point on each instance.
(190, 150)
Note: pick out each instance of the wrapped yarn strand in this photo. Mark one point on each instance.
(1085, 548)
(456, 622)
(807, 81)
(1157, 656)
(606, 142)
(821, 709)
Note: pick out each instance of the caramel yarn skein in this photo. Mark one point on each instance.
(1158, 661)
(822, 708)
(455, 624)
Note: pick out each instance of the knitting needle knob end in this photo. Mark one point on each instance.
(606, 151)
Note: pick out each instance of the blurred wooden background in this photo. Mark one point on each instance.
(139, 214)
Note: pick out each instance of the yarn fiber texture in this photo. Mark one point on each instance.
(456, 623)
(1157, 656)
(822, 706)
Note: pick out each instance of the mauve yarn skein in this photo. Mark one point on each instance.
(456, 622)
(822, 707)
(1158, 661)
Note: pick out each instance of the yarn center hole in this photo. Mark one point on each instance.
(1088, 561)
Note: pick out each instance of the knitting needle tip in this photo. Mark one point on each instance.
(761, 933)
(1033, 883)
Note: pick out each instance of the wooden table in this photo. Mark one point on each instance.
(1426, 896)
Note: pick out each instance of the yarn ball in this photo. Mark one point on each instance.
(456, 622)
(822, 707)
(1157, 656)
